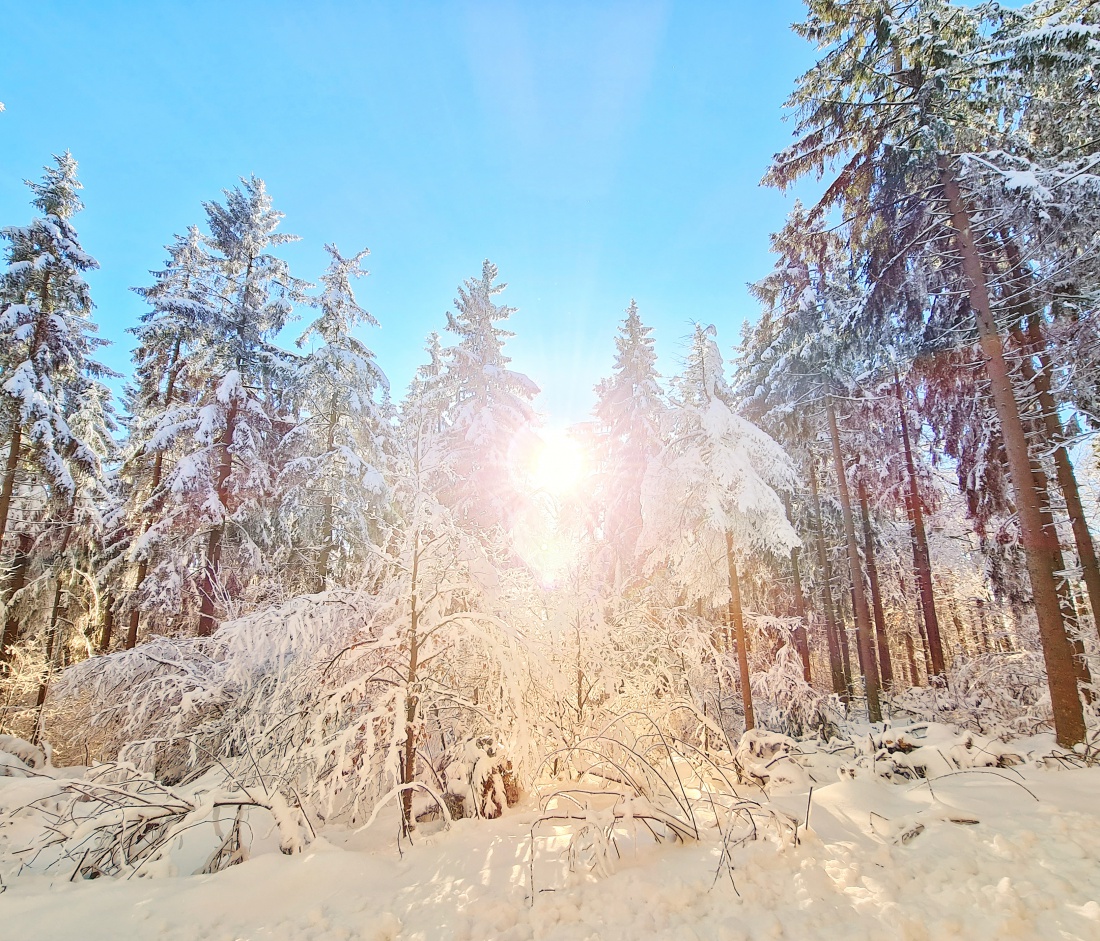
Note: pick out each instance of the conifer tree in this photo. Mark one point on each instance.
(900, 99)
(47, 343)
(628, 408)
(218, 489)
(162, 386)
(488, 416)
(710, 496)
(332, 488)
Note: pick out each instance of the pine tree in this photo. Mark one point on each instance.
(710, 497)
(162, 385)
(628, 409)
(333, 488)
(218, 489)
(48, 341)
(488, 416)
(904, 93)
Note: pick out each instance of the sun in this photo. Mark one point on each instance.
(559, 464)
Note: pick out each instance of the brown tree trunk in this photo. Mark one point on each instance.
(412, 701)
(914, 675)
(737, 623)
(983, 624)
(1069, 722)
(212, 562)
(1065, 593)
(16, 581)
(108, 627)
(800, 637)
(885, 663)
(922, 560)
(52, 630)
(836, 663)
(325, 555)
(1035, 343)
(11, 468)
(859, 598)
(174, 369)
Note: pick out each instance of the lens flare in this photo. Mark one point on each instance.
(559, 464)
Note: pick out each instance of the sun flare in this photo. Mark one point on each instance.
(559, 464)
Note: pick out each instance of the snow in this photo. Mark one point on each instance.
(974, 853)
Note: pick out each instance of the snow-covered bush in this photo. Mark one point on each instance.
(318, 699)
(998, 694)
(634, 783)
(787, 704)
(115, 821)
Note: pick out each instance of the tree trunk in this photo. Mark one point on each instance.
(800, 637)
(408, 761)
(212, 561)
(108, 625)
(737, 623)
(859, 598)
(836, 666)
(52, 629)
(885, 663)
(11, 467)
(922, 560)
(1065, 592)
(983, 624)
(174, 369)
(1069, 722)
(325, 554)
(1034, 342)
(914, 675)
(16, 581)
(1064, 473)
(51, 650)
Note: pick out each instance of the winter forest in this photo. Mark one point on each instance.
(798, 641)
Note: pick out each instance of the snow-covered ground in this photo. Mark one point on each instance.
(971, 853)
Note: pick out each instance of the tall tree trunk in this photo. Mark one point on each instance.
(325, 555)
(956, 619)
(52, 629)
(859, 597)
(108, 627)
(11, 468)
(885, 663)
(16, 581)
(1069, 722)
(212, 562)
(922, 560)
(918, 620)
(983, 624)
(836, 663)
(1063, 469)
(1065, 592)
(914, 675)
(174, 369)
(1035, 343)
(737, 623)
(800, 637)
(412, 701)
(52, 643)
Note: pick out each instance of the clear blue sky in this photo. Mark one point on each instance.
(594, 151)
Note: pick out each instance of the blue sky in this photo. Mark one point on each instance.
(594, 151)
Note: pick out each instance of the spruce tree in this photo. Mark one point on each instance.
(48, 341)
(628, 410)
(333, 488)
(488, 416)
(710, 496)
(218, 489)
(901, 98)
